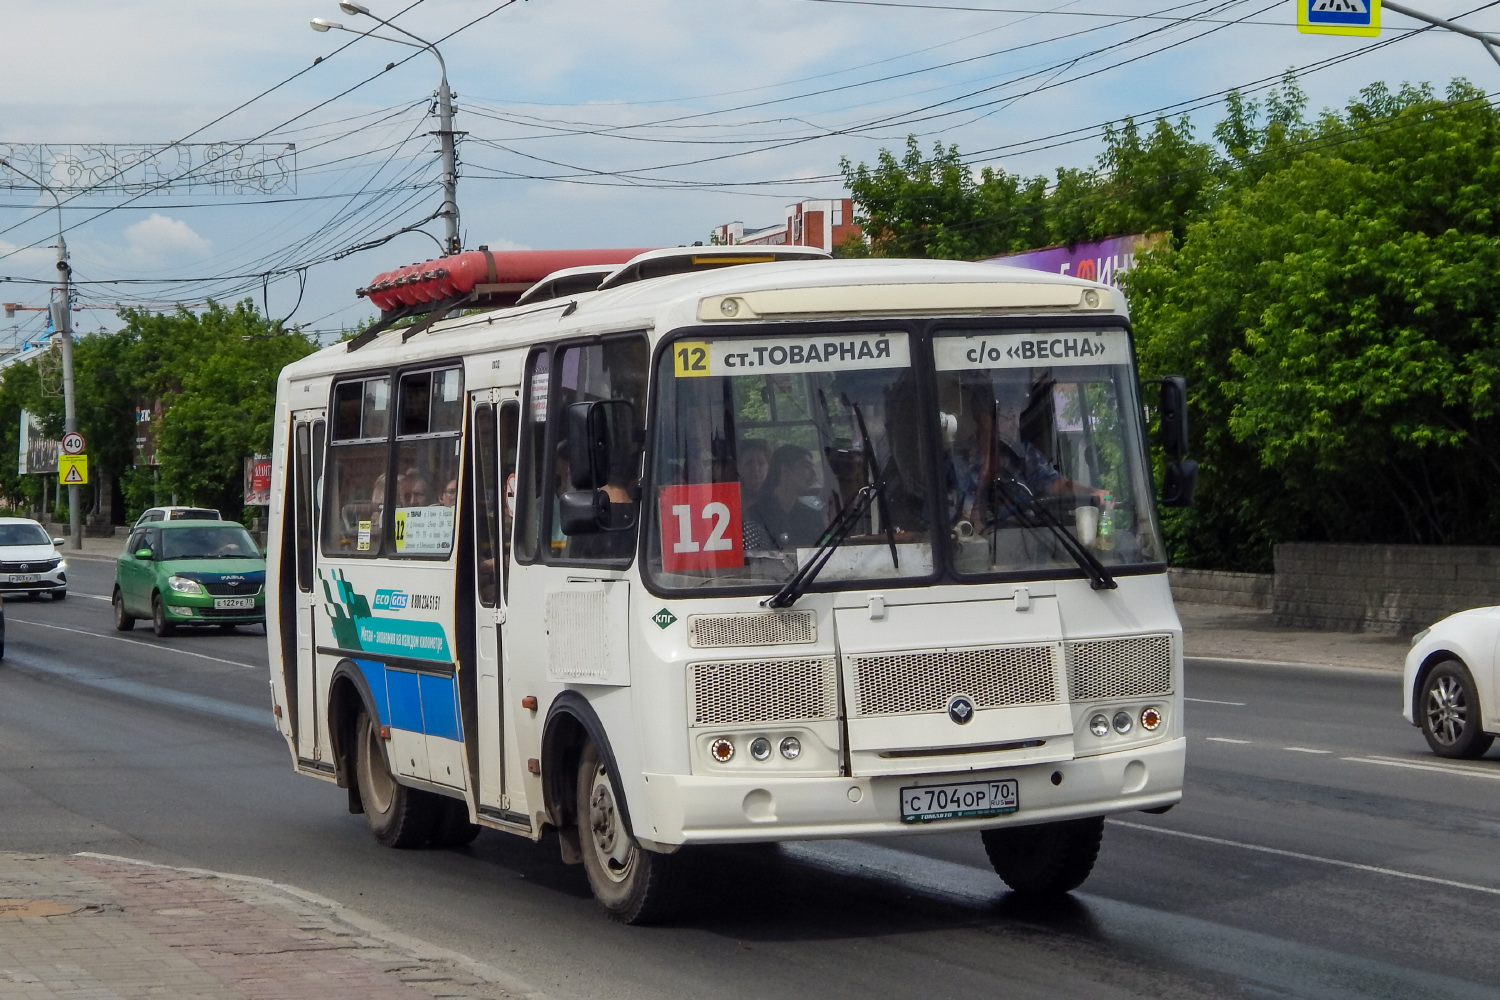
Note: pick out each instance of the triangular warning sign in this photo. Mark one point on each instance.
(72, 475)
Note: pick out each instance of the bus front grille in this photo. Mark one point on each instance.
(773, 628)
(992, 677)
(734, 691)
(1119, 668)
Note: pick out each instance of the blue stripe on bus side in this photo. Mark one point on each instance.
(440, 707)
(406, 700)
(375, 678)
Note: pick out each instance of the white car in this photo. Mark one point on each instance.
(1450, 687)
(177, 514)
(29, 561)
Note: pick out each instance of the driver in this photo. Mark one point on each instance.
(1005, 455)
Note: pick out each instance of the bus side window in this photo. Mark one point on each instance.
(486, 505)
(302, 506)
(612, 370)
(356, 484)
(428, 439)
(510, 441)
(533, 503)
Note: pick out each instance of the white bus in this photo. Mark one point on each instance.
(712, 554)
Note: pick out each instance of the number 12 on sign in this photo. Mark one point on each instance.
(700, 527)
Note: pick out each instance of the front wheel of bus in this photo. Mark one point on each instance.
(630, 882)
(1047, 859)
(398, 816)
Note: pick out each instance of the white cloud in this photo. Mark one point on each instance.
(158, 239)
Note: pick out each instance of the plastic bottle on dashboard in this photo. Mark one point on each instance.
(1105, 541)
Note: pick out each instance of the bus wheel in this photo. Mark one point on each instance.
(398, 816)
(453, 828)
(630, 882)
(1047, 859)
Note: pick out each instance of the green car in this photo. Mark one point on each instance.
(190, 573)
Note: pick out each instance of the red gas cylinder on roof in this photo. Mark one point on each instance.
(507, 272)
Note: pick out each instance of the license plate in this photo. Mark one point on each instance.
(234, 603)
(24, 578)
(965, 800)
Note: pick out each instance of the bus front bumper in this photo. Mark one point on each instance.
(687, 809)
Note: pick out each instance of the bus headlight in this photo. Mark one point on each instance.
(791, 748)
(183, 585)
(760, 748)
(1123, 723)
(1099, 725)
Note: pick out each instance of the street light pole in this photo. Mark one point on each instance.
(62, 322)
(449, 211)
(1490, 41)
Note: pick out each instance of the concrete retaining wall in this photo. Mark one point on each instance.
(1389, 589)
(1211, 586)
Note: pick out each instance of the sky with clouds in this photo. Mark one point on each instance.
(589, 123)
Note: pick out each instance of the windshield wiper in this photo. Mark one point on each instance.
(832, 539)
(1033, 514)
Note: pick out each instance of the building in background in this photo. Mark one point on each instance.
(820, 223)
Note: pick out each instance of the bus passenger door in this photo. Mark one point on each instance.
(494, 442)
(307, 458)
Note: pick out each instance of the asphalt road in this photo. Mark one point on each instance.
(1320, 851)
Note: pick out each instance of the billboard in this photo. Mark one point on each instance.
(1102, 261)
(38, 453)
(258, 481)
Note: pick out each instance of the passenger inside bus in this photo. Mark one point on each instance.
(754, 464)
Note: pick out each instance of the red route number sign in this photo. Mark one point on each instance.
(700, 527)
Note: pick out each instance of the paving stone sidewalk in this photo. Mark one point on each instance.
(1221, 631)
(96, 928)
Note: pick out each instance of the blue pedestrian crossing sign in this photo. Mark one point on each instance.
(1338, 17)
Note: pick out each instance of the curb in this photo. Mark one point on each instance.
(416, 947)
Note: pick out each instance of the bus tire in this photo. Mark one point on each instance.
(398, 816)
(1047, 859)
(453, 828)
(633, 885)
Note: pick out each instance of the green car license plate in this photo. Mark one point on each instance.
(962, 800)
(234, 603)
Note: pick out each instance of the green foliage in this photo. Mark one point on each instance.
(214, 374)
(1328, 290)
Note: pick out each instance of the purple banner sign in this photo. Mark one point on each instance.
(1103, 261)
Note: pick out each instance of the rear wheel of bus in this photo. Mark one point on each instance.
(398, 816)
(634, 885)
(1047, 859)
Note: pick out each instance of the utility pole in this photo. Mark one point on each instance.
(446, 136)
(62, 322)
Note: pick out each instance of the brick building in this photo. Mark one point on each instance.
(822, 223)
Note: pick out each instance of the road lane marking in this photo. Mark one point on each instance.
(1305, 750)
(1298, 855)
(1467, 772)
(1210, 701)
(136, 642)
(1223, 739)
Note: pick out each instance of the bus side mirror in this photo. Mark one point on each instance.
(583, 512)
(1178, 483)
(1174, 421)
(599, 435)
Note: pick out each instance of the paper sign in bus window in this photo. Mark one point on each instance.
(700, 527)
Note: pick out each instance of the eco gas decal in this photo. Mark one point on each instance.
(400, 600)
(355, 627)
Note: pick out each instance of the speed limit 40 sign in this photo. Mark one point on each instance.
(72, 443)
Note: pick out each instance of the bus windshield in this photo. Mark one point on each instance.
(1042, 434)
(761, 442)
